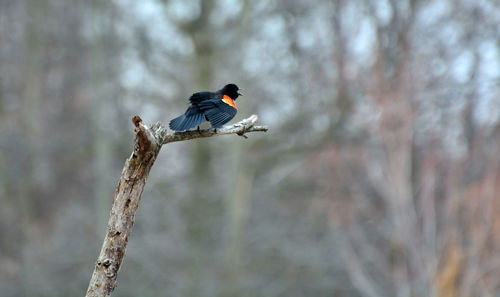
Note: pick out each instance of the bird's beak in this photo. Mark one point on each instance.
(239, 92)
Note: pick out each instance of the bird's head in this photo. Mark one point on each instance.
(231, 90)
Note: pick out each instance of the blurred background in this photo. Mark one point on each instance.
(379, 176)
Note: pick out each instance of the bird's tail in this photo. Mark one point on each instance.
(190, 119)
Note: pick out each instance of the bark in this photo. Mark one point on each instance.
(148, 143)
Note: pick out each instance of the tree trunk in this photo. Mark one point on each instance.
(125, 204)
(128, 194)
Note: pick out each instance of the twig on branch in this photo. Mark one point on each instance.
(148, 142)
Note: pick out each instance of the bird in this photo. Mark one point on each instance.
(217, 108)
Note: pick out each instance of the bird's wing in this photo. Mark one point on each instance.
(217, 112)
(191, 118)
(196, 98)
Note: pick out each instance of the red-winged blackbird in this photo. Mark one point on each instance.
(216, 107)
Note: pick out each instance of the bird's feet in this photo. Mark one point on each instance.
(198, 129)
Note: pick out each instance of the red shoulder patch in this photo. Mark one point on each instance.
(226, 99)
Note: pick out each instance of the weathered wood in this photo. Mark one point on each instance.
(148, 143)
(125, 204)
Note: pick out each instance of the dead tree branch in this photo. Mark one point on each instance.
(148, 142)
(240, 128)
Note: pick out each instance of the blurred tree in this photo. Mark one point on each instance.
(378, 178)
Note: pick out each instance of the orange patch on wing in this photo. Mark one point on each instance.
(229, 101)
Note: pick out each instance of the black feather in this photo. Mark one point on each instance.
(207, 106)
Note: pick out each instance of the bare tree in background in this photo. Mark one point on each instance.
(412, 220)
(379, 177)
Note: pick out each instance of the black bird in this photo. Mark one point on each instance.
(216, 107)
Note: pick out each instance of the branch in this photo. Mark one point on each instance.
(240, 128)
(148, 142)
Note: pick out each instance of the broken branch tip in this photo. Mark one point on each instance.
(136, 120)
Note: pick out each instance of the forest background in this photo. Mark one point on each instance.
(379, 175)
